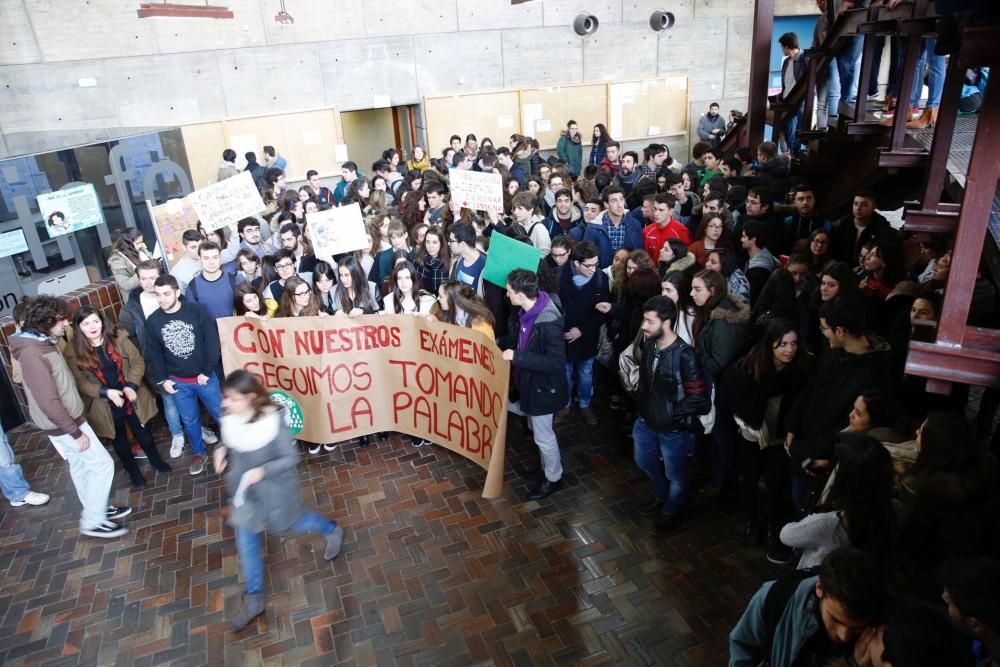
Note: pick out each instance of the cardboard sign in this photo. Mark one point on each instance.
(338, 230)
(477, 190)
(227, 202)
(70, 210)
(171, 220)
(341, 377)
(507, 254)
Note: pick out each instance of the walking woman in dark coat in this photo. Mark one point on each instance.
(260, 454)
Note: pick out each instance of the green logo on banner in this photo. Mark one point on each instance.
(293, 412)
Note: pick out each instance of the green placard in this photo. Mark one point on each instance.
(505, 255)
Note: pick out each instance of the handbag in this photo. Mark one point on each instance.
(605, 349)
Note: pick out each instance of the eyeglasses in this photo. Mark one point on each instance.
(306, 293)
(589, 266)
(559, 255)
(284, 265)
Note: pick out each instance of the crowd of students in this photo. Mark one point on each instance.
(712, 306)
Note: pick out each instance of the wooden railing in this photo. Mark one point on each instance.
(959, 353)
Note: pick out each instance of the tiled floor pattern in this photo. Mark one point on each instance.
(431, 574)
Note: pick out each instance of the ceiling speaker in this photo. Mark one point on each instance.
(585, 24)
(661, 20)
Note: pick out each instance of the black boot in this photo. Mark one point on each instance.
(545, 489)
(754, 532)
(364, 442)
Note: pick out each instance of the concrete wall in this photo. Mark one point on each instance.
(71, 77)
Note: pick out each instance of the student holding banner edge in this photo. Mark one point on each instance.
(538, 373)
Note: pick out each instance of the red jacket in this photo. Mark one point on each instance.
(653, 237)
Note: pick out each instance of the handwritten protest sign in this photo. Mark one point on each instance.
(70, 210)
(171, 220)
(338, 230)
(227, 202)
(477, 190)
(346, 377)
(507, 254)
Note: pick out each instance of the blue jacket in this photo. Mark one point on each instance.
(752, 643)
(598, 234)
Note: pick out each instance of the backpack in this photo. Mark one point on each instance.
(192, 288)
(780, 593)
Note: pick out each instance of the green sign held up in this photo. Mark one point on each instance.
(505, 255)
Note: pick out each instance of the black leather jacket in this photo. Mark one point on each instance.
(659, 402)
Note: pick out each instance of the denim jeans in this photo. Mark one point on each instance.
(792, 127)
(12, 481)
(827, 94)
(92, 472)
(935, 75)
(669, 476)
(585, 387)
(172, 414)
(187, 396)
(847, 66)
(248, 546)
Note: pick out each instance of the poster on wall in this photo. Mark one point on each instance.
(70, 210)
(12, 243)
(338, 230)
(341, 378)
(171, 219)
(227, 202)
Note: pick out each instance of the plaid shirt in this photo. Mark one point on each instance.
(432, 273)
(616, 234)
(645, 170)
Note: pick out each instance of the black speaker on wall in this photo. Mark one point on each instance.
(661, 20)
(585, 24)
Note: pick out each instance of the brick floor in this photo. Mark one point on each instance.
(431, 573)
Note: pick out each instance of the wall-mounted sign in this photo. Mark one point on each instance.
(12, 243)
(70, 210)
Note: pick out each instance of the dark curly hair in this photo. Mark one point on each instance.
(44, 312)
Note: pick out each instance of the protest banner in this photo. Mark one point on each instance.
(70, 210)
(477, 190)
(227, 202)
(171, 219)
(337, 230)
(507, 254)
(340, 378)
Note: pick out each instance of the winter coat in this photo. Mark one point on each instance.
(541, 366)
(571, 152)
(274, 503)
(753, 643)
(847, 241)
(597, 234)
(54, 403)
(838, 379)
(124, 273)
(100, 416)
(722, 339)
(705, 127)
(747, 398)
(578, 311)
(597, 152)
(227, 170)
(657, 401)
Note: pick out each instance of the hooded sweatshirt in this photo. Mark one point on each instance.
(54, 404)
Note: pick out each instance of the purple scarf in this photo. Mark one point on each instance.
(527, 319)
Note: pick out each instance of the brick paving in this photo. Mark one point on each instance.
(431, 574)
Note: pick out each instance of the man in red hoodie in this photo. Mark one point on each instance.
(663, 227)
(55, 406)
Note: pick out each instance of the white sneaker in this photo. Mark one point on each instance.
(208, 436)
(32, 498)
(176, 446)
